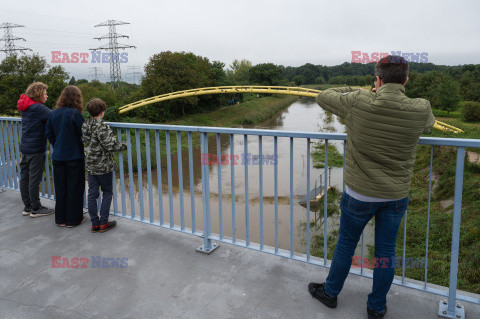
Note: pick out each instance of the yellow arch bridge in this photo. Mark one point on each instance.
(286, 90)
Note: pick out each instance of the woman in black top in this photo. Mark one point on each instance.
(64, 131)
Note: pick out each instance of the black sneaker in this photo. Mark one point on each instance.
(26, 211)
(42, 211)
(318, 292)
(374, 314)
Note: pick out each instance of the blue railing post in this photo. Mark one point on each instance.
(308, 199)
(169, 173)
(220, 193)
(16, 177)
(451, 309)
(246, 160)
(208, 246)
(180, 179)
(149, 175)
(139, 176)
(130, 174)
(6, 155)
(159, 176)
(192, 183)
(232, 187)
(325, 207)
(122, 176)
(3, 162)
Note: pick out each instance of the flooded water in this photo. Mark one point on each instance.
(305, 116)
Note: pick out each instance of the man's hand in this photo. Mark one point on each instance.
(373, 89)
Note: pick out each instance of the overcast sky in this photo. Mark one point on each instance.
(290, 33)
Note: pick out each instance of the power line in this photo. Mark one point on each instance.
(10, 47)
(58, 35)
(113, 47)
(62, 31)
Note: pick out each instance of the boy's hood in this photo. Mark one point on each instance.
(24, 103)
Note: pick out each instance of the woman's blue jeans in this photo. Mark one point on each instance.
(354, 217)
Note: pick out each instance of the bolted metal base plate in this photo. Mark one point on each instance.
(202, 249)
(459, 311)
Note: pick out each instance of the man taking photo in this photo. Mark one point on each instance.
(383, 128)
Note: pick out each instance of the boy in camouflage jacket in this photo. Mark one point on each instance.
(100, 143)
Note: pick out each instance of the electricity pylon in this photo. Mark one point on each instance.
(113, 47)
(95, 73)
(10, 48)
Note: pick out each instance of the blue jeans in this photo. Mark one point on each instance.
(355, 216)
(95, 182)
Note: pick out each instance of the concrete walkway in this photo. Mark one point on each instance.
(165, 277)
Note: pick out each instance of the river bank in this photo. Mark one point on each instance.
(247, 113)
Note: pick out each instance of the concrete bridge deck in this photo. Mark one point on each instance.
(166, 277)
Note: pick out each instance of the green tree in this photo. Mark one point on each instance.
(96, 89)
(309, 72)
(471, 111)
(320, 80)
(238, 73)
(339, 79)
(168, 72)
(369, 78)
(470, 85)
(447, 95)
(266, 74)
(298, 79)
(220, 75)
(16, 73)
(424, 85)
(351, 81)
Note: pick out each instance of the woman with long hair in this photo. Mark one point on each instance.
(64, 131)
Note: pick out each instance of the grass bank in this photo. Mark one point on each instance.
(247, 113)
(471, 130)
(441, 220)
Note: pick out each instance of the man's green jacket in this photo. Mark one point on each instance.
(383, 130)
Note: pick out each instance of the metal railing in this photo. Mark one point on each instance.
(151, 138)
